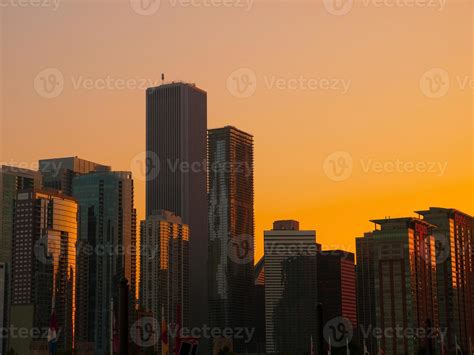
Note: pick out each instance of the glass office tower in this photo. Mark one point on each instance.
(231, 223)
(106, 251)
(44, 265)
(12, 179)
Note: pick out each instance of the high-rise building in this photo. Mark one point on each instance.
(290, 288)
(260, 306)
(58, 173)
(337, 285)
(231, 224)
(12, 179)
(176, 140)
(106, 252)
(44, 265)
(365, 271)
(454, 274)
(404, 285)
(164, 270)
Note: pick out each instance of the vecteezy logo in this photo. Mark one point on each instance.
(145, 166)
(240, 249)
(145, 7)
(42, 248)
(145, 332)
(338, 331)
(242, 83)
(338, 7)
(49, 83)
(338, 166)
(435, 83)
(442, 247)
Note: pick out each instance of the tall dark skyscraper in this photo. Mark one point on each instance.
(12, 179)
(58, 173)
(231, 224)
(44, 265)
(454, 274)
(176, 139)
(401, 290)
(106, 252)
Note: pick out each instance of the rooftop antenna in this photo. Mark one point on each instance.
(162, 78)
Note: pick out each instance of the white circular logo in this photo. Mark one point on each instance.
(442, 247)
(242, 83)
(145, 332)
(338, 332)
(49, 83)
(338, 7)
(145, 7)
(338, 166)
(43, 246)
(435, 83)
(240, 249)
(145, 166)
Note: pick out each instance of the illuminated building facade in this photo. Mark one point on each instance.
(455, 265)
(164, 269)
(404, 290)
(44, 265)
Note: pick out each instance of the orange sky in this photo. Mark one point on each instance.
(409, 150)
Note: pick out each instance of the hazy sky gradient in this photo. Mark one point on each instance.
(385, 116)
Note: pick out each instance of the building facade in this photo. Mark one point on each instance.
(176, 139)
(231, 224)
(454, 274)
(337, 285)
(164, 246)
(44, 265)
(12, 180)
(290, 287)
(366, 297)
(404, 286)
(106, 252)
(260, 306)
(58, 173)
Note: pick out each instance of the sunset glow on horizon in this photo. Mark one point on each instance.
(355, 116)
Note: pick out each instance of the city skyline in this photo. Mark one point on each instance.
(369, 122)
(197, 177)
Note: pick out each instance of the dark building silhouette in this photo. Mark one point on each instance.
(106, 252)
(296, 311)
(231, 231)
(44, 265)
(337, 285)
(366, 294)
(176, 139)
(260, 306)
(454, 274)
